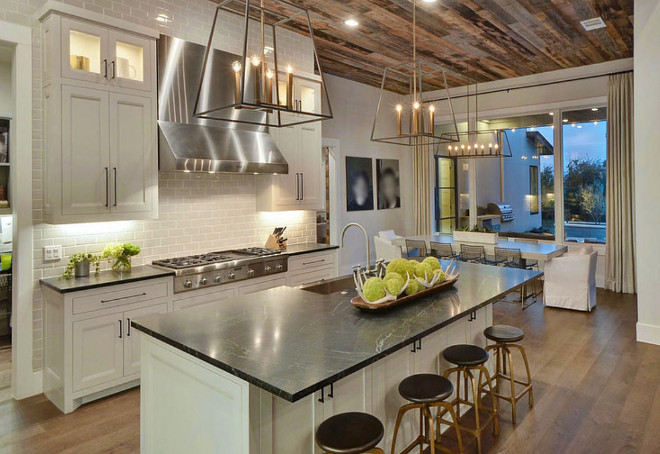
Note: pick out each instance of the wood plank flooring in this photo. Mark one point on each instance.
(596, 391)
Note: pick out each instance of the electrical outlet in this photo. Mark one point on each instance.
(52, 253)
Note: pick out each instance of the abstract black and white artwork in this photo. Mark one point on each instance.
(387, 179)
(359, 184)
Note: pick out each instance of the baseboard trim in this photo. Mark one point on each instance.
(649, 334)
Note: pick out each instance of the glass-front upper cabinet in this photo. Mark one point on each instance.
(100, 55)
(84, 51)
(130, 60)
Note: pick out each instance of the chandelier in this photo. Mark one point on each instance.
(266, 90)
(409, 118)
(477, 142)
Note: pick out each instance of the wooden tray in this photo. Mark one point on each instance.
(366, 305)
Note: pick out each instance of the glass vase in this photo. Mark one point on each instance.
(122, 264)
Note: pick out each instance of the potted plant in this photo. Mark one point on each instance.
(79, 265)
(121, 254)
(476, 235)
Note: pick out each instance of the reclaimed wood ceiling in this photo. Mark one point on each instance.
(499, 38)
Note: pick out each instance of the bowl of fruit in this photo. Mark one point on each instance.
(403, 280)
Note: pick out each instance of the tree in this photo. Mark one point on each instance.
(547, 187)
(584, 190)
(593, 201)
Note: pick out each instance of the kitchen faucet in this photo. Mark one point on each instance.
(366, 237)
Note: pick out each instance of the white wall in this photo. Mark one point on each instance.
(354, 106)
(6, 101)
(647, 184)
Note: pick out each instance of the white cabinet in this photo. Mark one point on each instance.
(132, 337)
(265, 283)
(94, 53)
(85, 155)
(98, 351)
(204, 296)
(101, 160)
(307, 268)
(302, 187)
(90, 349)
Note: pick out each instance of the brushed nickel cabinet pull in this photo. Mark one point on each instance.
(107, 189)
(112, 63)
(120, 328)
(128, 327)
(115, 169)
(105, 68)
(123, 298)
(302, 186)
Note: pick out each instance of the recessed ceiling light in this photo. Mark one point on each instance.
(594, 109)
(163, 18)
(565, 120)
(579, 126)
(351, 22)
(429, 1)
(593, 24)
(551, 113)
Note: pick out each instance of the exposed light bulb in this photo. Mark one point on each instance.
(449, 147)
(399, 108)
(490, 145)
(289, 69)
(416, 105)
(431, 108)
(269, 73)
(236, 66)
(462, 147)
(255, 60)
(497, 146)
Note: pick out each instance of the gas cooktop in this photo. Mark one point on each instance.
(215, 268)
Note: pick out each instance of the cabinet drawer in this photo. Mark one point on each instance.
(307, 261)
(264, 285)
(307, 277)
(119, 296)
(203, 299)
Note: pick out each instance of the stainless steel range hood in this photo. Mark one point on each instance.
(198, 145)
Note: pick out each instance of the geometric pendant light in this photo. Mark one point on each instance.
(266, 90)
(408, 118)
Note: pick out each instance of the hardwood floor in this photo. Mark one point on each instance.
(596, 390)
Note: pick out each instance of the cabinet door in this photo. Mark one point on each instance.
(132, 338)
(286, 188)
(84, 51)
(132, 154)
(98, 351)
(85, 156)
(312, 194)
(130, 60)
(426, 360)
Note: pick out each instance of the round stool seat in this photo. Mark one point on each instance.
(465, 355)
(349, 433)
(504, 333)
(425, 388)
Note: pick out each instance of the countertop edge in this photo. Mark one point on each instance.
(47, 282)
(333, 378)
(330, 247)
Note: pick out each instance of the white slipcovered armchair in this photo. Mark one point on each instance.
(570, 280)
(384, 247)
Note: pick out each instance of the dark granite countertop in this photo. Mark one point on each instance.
(306, 248)
(292, 342)
(105, 278)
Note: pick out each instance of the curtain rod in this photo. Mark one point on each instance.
(521, 87)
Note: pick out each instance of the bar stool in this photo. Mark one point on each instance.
(505, 337)
(469, 359)
(426, 391)
(350, 433)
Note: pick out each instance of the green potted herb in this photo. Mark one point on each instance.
(79, 265)
(121, 253)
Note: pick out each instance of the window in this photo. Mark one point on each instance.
(585, 172)
(445, 194)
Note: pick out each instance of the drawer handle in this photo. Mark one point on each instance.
(124, 298)
(128, 327)
(120, 328)
(315, 261)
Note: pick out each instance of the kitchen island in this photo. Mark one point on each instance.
(258, 373)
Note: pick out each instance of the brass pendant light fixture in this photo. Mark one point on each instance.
(266, 90)
(409, 119)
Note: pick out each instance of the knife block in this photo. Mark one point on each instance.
(272, 243)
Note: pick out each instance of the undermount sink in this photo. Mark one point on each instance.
(330, 286)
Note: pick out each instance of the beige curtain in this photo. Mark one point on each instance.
(620, 268)
(422, 190)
